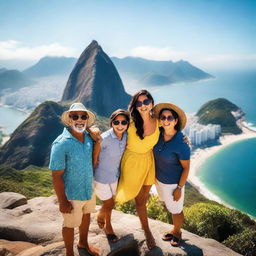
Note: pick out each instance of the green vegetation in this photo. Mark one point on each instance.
(30, 182)
(218, 111)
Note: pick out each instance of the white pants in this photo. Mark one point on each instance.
(165, 193)
(105, 191)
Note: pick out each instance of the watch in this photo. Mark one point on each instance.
(179, 187)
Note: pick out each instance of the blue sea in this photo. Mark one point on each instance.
(230, 174)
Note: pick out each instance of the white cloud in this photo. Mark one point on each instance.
(11, 49)
(154, 53)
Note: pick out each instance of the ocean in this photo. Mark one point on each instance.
(231, 175)
(236, 180)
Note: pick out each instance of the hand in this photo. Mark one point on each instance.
(186, 139)
(95, 133)
(177, 194)
(65, 207)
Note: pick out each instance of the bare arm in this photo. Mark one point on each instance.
(186, 165)
(58, 184)
(95, 154)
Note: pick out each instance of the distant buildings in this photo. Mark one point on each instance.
(201, 134)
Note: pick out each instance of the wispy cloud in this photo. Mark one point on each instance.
(12, 49)
(154, 53)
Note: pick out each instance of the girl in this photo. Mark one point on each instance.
(108, 156)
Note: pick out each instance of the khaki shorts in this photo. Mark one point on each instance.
(74, 219)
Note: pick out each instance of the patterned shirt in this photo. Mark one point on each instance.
(75, 158)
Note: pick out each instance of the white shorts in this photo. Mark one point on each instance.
(74, 219)
(165, 193)
(105, 191)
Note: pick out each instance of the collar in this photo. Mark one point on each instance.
(113, 135)
(66, 134)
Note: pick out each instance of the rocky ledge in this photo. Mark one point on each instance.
(33, 228)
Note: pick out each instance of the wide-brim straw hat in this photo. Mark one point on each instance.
(182, 116)
(74, 108)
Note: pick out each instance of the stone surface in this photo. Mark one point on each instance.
(10, 200)
(43, 226)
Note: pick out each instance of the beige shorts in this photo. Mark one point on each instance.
(165, 193)
(105, 191)
(74, 219)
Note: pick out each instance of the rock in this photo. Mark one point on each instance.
(96, 83)
(10, 200)
(14, 247)
(44, 223)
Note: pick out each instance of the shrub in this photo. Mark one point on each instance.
(244, 242)
(211, 220)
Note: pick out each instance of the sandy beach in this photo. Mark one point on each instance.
(200, 155)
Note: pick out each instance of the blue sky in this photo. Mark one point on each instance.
(208, 33)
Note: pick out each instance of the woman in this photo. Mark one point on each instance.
(137, 165)
(172, 165)
(107, 160)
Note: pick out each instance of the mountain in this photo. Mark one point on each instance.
(30, 143)
(49, 66)
(151, 72)
(223, 112)
(95, 82)
(12, 80)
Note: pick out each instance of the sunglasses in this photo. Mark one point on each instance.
(123, 122)
(144, 102)
(168, 118)
(75, 117)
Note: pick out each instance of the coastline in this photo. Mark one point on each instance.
(200, 155)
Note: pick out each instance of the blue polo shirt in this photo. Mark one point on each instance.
(167, 158)
(75, 158)
(112, 149)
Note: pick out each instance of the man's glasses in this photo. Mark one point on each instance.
(144, 102)
(169, 118)
(117, 122)
(75, 117)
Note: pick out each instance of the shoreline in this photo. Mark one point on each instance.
(199, 156)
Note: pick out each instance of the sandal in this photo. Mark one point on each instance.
(112, 238)
(176, 241)
(167, 237)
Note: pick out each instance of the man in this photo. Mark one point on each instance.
(72, 176)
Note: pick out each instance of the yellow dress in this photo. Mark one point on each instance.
(137, 165)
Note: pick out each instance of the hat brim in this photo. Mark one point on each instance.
(66, 119)
(182, 116)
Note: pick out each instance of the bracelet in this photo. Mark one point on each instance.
(179, 187)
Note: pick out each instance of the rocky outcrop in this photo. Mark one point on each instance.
(95, 82)
(42, 226)
(30, 143)
(10, 200)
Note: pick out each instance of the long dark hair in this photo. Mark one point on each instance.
(136, 117)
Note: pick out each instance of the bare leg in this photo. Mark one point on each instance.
(83, 236)
(107, 208)
(141, 201)
(178, 220)
(68, 237)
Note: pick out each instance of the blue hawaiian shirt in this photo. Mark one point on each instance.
(75, 158)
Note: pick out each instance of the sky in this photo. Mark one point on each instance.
(211, 34)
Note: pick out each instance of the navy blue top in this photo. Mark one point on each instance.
(112, 149)
(75, 158)
(167, 158)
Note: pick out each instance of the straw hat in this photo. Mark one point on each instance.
(182, 116)
(74, 108)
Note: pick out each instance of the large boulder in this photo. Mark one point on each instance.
(10, 200)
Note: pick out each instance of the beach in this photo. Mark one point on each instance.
(200, 155)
